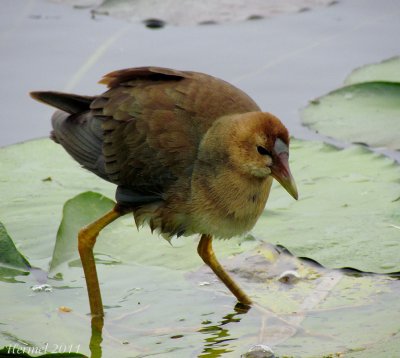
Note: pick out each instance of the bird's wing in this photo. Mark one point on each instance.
(153, 122)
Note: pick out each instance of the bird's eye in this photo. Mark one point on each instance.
(263, 151)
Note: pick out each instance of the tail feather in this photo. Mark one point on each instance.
(76, 128)
(67, 102)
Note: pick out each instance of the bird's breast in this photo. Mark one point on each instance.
(227, 205)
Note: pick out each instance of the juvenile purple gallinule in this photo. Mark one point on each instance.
(189, 153)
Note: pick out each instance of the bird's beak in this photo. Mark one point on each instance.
(281, 172)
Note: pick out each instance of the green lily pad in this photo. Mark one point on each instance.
(348, 199)
(77, 212)
(348, 214)
(386, 71)
(36, 179)
(361, 113)
(12, 262)
(161, 298)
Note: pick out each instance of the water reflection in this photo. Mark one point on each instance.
(216, 341)
(97, 324)
(218, 336)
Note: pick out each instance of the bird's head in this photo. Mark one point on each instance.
(255, 144)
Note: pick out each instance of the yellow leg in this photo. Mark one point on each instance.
(86, 241)
(206, 252)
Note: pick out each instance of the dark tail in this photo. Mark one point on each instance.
(70, 103)
(76, 128)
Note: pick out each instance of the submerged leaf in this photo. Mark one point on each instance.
(363, 113)
(300, 313)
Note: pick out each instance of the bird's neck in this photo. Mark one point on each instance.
(228, 198)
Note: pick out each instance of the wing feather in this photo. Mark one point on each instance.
(155, 119)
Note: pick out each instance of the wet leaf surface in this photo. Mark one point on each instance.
(161, 299)
(347, 213)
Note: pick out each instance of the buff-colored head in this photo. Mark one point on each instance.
(254, 144)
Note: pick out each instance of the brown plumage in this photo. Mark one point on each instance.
(190, 153)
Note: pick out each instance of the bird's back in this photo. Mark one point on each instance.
(144, 132)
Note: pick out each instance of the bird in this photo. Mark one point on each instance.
(190, 154)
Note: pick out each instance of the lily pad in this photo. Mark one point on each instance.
(12, 262)
(308, 295)
(361, 113)
(9, 255)
(37, 178)
(348, 199)
(77, 212)
(348, 214)
(161, 299)
(386, 71)
(154, 310)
